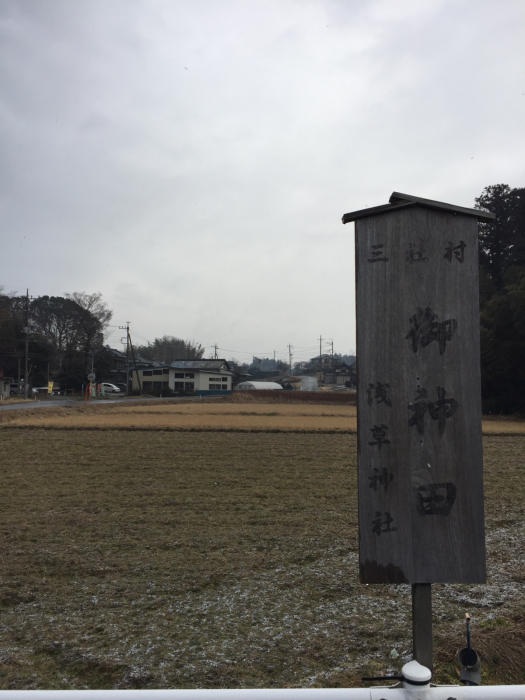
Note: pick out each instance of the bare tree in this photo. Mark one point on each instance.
(94, 304)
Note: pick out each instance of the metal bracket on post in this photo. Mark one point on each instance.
(422, 624)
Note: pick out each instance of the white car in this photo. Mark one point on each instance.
(110, 388)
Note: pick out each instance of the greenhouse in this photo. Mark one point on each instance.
(249, 386)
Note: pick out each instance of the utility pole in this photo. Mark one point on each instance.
(26, 331)
(127, 357)
(274, 359)
(320, 352)
(134, 362)
(215, 347)
(126, 328)
(332, 344)
(290, 348)
(19, 375)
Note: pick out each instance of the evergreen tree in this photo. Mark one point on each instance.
(502, 299)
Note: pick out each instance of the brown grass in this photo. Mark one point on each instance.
(245, 413)
(162, 559)
(213, 416)
(500, 643)
(503, 425)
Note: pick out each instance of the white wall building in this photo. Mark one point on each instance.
(185, 376)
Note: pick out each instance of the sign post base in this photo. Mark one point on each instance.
(422, 624)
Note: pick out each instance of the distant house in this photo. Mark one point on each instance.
(185, 377)
(322, 361)
(345, 375)
(342, 375)
(116, 360)
(117, 364)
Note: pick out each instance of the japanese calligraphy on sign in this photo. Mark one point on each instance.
(441, 410)
(425, 329)
(415, 254)
(435, 499)
(419, 413)
(458, 251)
(382, 522)
(377, 253)
(379, 434)
(380, 478)
(379, 393)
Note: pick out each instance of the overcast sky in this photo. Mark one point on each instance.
(192, 160)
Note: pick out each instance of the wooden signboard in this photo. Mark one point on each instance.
(419, 400)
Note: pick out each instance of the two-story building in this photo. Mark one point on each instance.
(199, 377)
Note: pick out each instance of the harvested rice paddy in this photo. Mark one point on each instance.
(216, 415)
(189, 556)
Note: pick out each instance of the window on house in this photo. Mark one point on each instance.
(165, 385)
(179, 375)
(165, 371)
(146, 385)
(189, 375)
(147, 373)
(179, 386)
(225, 379)
(188, 386)
(157, 371)
(156, 385)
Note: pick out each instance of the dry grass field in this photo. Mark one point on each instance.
(195, 415)
(169, 557)
(246, 413)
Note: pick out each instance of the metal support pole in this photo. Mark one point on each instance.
(422, 624)
(26, 359)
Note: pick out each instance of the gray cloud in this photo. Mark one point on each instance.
(192, 160)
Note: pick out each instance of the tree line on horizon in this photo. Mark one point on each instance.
(66, 339)
(63, 332)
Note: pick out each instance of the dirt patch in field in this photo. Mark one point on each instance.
(162, 559)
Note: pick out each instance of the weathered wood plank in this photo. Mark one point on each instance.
(419, 403)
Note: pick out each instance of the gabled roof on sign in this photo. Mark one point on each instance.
(405, 201)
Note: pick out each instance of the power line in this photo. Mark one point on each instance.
(268, 353)
(141, 336)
